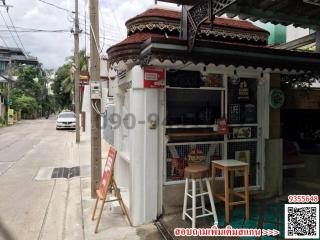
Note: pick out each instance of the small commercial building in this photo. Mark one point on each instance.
(173, 106)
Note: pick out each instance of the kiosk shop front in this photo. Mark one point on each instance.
(174, 107)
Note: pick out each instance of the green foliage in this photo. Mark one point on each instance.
(26, 104)
(60, 88)
(2, 121)
(30, 80)
(29, 93)
(63, 84)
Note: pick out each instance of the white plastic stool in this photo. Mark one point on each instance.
(198, 173)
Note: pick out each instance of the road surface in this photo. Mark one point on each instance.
(33, 209)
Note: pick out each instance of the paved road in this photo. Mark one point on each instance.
(31, 209)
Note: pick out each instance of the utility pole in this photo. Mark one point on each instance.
(77, 71)
(9, 89)
(95, 116)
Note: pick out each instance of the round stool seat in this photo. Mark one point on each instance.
(196, 171)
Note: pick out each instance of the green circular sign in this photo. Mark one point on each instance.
(276, 98)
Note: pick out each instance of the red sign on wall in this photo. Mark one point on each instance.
(154, 77)
(107, 172)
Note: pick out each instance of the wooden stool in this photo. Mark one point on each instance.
(198, 173)
(226, 166)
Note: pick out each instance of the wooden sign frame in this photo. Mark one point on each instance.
(108, 184)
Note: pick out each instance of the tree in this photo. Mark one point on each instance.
(30, 80)
(63, 84)
(63, 93)
(26, 104)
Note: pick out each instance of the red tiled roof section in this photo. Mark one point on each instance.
(218, 21)
(139, 37)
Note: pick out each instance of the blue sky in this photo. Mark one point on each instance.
(53, 48)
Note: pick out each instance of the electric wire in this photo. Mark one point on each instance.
(5, 22)
(4, 42)
(117, 22)
(19, 39)
(104, 31)
(56, 6)
(37, 31)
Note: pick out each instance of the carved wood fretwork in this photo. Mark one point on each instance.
(202, 11)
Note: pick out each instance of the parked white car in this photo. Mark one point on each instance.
(66, 120)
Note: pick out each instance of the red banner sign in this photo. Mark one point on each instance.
(154, 77)
(107, 172)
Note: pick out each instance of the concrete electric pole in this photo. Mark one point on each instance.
(77, 71)
(95, 103)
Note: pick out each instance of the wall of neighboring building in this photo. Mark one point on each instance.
(294, 33)
(281, 34)
(277, 32)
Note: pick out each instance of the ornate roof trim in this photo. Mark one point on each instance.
(219, 53)
(153, 25)
(227, 33)
(216, 32)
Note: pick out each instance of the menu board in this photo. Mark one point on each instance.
(242, 100)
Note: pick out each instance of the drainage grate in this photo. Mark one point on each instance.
(66, 172)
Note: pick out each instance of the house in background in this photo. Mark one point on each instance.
(10, 57)
(14, 56)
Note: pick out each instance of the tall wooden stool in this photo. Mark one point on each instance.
(226, 166)
(198, 173)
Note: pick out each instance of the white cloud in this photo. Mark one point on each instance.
(53, 48)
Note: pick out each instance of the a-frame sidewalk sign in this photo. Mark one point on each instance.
(108, 185)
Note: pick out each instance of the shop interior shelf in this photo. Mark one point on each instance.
(200, 88)
(189, 126)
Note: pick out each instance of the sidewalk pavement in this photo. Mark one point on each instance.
(113, 226)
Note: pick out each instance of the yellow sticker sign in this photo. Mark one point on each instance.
(10, 116)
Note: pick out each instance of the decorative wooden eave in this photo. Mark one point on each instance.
(169, 21)
(300, 13)
(166, 23)
(221, 53)
(233, 45)
(229, 54)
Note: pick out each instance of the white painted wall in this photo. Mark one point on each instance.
(137, 167)
(294, 33)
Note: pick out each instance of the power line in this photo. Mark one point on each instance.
(17, 34)
(104, 31)
(5, 22)
(35, 29)
(4, 41)
(38, 31)
(56, 6)
(115, 17)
